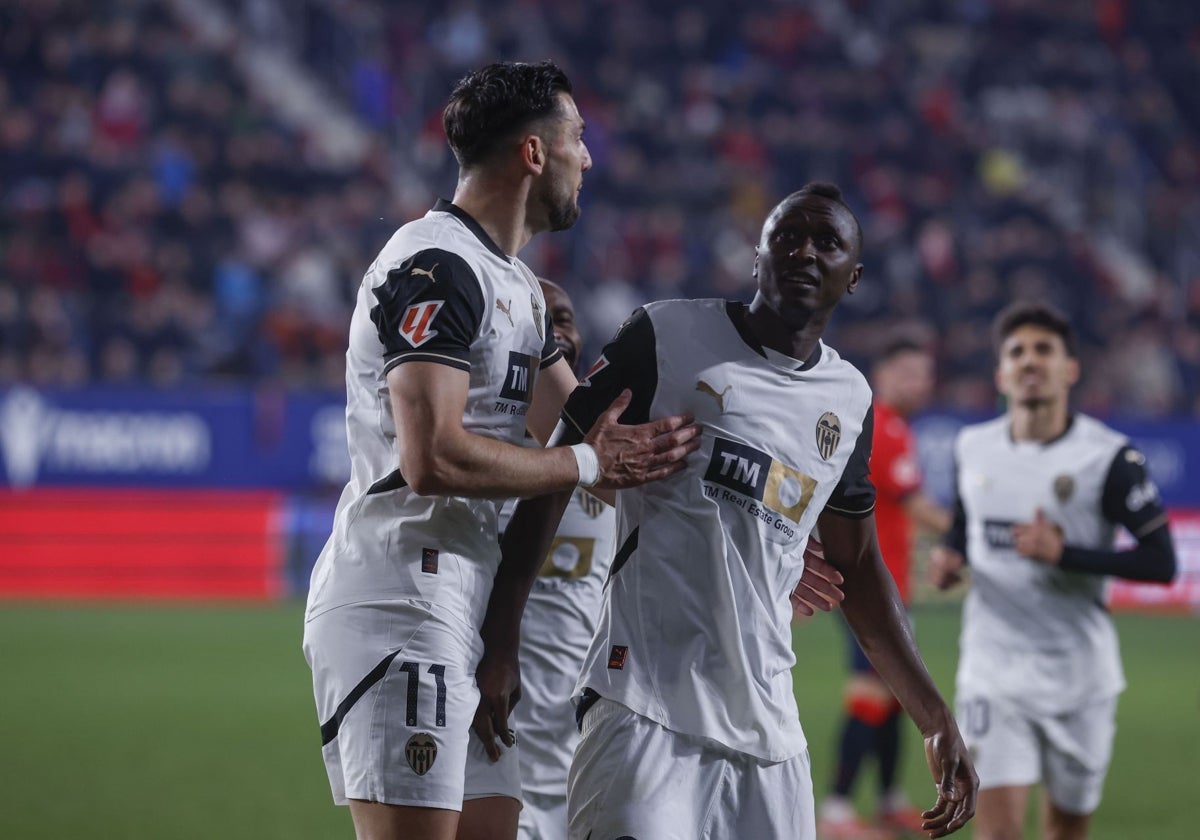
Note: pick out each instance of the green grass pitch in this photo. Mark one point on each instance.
(181, 722)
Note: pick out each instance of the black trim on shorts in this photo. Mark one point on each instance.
(627, 548)
(329, 729)
(392, 481)
(586, 701)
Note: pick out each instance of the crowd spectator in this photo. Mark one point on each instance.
(161, 224)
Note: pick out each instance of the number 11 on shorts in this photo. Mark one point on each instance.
(413, 669)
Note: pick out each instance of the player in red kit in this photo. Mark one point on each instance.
(902, 380)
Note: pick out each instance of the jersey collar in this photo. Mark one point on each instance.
(737, 315)
(443, 206)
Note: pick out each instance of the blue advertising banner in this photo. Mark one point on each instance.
(289, 440)
(143, 438)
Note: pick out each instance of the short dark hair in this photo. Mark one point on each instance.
(901, 345)
(491, 104)
(1032, 313)
(831, 192)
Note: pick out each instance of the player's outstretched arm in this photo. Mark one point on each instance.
(439, 457)
(876, 615)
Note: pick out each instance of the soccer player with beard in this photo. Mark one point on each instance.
(451, 358)
(689, 722)
(1041, 491)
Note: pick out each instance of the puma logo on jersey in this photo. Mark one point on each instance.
(503, 306)
(414, 326)
(428, 273)
(704, 388)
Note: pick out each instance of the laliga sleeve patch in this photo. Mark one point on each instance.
(600, 365)
(415, 326)
(616, 657)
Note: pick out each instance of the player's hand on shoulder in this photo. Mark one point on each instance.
(820, 584)
(633, 455)
(945, 567)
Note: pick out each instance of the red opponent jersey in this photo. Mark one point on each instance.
(896, 473)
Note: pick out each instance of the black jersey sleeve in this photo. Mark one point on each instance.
(956, 537)
(1130, 499)
(854, 496)
(429, 309)
(628, 361)
(550, 351)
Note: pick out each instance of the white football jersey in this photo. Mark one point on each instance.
(556, 629)
(1032, 632)
(440, 291)
(695, 628)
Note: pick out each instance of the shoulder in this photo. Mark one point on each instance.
(994, 429)
(833, 365)
(890, 426)
(974, 439)
(1095, 433)
(440, 233)
(683, 309)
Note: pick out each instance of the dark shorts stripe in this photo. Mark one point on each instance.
(392, 481)
(329, 729)
(630, 545)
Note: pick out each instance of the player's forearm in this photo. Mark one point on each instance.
(459, 463)
(1152, 560)
(527, 539)
(927, 513)
(876, 616)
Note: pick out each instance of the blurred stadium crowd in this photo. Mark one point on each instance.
(165, 220)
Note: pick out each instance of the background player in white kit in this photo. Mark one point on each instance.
(450, 360)
(559, 619)
(689, 722)
(1041, 492)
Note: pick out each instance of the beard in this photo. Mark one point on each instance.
(561, 204)
(563, 214)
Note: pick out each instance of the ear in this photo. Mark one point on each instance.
(1073, 371)
(854, 278)
(533, 154)
(754, 272)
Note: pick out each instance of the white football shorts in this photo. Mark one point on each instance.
(396, 695)
(544, 817)
(633, 778)
(1069, 753)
